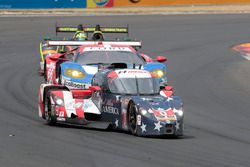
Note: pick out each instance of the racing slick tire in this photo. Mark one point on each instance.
(132, 118)
(49, 111)
(45, 71)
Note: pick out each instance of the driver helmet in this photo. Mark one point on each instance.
(80, 36)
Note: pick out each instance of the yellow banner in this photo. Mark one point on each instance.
(120, 3)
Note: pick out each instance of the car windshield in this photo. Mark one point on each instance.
(108, 57)
(134, 86)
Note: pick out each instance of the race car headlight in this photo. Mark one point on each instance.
(74, 73)
(59, 101)
(179, 112)
(158, 73)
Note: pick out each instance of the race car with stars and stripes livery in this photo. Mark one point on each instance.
(121, 98)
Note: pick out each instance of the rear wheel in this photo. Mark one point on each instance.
(45, 71)
(49, 111)
(132, 118)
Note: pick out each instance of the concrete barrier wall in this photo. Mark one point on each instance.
(120, 3)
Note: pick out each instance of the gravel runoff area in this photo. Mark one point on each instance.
(191, 9)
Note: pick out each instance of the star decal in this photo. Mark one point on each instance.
(143, 127)
(177, 125)
(169, 99)
(161, 109)
(116, 122)
(158, 126)
(117, 98)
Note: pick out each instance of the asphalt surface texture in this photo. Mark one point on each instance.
(212, 80)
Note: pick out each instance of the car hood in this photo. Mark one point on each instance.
(157, 101)
(158, 107)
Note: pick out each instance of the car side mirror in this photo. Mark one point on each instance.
(95, 88)
(53, 58)
(169, 88)
(168, 91)
(161, 59)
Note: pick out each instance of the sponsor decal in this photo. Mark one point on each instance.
(137, 71)
(138, 119)
(78, 105)
(129, 73)
(71, 104)
(42, 4)
(134, 1)
(50, 72)
(163, 115)
(110, 110)
(99, 3)
(121, 3)
(75, 85)
(107, 48)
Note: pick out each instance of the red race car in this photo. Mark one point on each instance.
(76, 68)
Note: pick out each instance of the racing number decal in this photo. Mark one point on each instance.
(164, 115)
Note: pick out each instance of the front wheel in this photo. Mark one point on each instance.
(132, 118)
(49, 111)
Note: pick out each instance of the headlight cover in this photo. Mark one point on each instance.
(159, 73)
(74, 73)
(179, 112)
(59, 101)
(143, 111)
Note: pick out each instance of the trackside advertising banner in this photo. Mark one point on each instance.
(40, 4)
(121, 3)
(44, 4)
(100, 3)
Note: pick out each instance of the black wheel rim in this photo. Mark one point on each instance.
(48, 110)
(132, 118)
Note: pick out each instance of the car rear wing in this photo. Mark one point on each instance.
(136, 44)
(93, 29)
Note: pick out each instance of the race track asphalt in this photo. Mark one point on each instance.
(212, 80)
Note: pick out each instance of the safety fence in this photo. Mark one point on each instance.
(40, 4)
